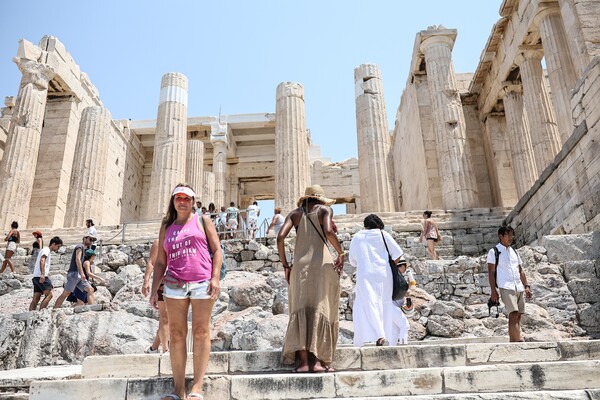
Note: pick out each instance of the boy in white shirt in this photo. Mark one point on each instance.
(41, 281)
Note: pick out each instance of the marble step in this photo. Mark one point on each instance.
(591, 394)
(513, 377)
(368, 358)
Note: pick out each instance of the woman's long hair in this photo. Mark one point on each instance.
(171, 211)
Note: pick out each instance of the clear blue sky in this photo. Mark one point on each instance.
(235, 53)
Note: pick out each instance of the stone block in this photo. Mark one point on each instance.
(389, 383)
(485, 353)
(28, 50)
(121, 366)
(254, 361)
(90, 389)
(523, 377)
(214, 387)
(347, 358)
(218, 363)
(279, 386)
(580, 350)
(251, 265)
(402, 357)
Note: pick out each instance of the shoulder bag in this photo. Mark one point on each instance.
(400, 284)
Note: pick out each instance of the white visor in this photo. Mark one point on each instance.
(185, 190)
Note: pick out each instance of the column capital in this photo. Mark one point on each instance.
(545, 9)
(436, 39)
(218, 132)
(511, 87)
(528, 52)
(290, 89)
(34, 72)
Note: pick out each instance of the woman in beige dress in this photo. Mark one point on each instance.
(314, 284)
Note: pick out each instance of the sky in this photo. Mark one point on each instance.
(235, 53)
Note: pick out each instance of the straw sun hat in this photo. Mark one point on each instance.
(315, 192)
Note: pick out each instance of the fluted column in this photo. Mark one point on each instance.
(559, 66)
(519, 138)
(218, 138)
(17, 169)
(168, 164)
(574, 35)
(457, 179)
(194, 164)
(542, 122)
(502, 178)
(86, 192)
(376, 191)
(208, 189)
(292, 174)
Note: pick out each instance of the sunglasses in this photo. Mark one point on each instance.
(183, 198)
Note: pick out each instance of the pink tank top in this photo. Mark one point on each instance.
(188, 258)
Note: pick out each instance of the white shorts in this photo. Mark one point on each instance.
(252, 224)
(232, 224)
(190, 290)
(11, 246)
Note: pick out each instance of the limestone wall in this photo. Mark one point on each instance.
(408, 154)
(339, 180)
(566, 197)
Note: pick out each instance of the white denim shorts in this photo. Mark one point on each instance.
(190, 290)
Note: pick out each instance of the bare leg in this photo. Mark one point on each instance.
(201, 312)
(431, 249)
(90, 292)
(178, 310)
(514, 326)
(8, 261)
(47, 298)
(163, 327)
(34, 302)
(302, 357)
(61, 299)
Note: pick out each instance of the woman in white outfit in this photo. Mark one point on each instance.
(373, 308)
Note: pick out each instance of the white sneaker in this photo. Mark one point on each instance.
(150, 350)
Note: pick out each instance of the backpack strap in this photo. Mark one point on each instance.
(497, 254)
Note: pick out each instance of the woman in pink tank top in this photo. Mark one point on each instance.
(191, 277)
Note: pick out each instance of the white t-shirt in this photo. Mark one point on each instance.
(507, 272)
(37, 272)
(92, 231)
(252, 212)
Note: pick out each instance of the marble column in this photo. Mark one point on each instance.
(17, 169)
(373, 139)
(574, 35)
(292, 171)
(194, 164)
(86, 192)
(168, 164)
(208, 189)
(457, 179)
(519, 138)
(219, 140)
(504, 192)
(559, 66)
(545, 138)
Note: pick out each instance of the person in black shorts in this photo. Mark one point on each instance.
(41, 281)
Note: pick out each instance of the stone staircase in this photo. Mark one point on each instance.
(402, 222)
(436, 370)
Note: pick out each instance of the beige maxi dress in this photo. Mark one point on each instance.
(314, 296)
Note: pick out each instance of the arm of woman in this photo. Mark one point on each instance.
(87, 267)
(9, 234)
(273, 222)
(327, 214)
(160, 266)
(285, 230)
(214, 287)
